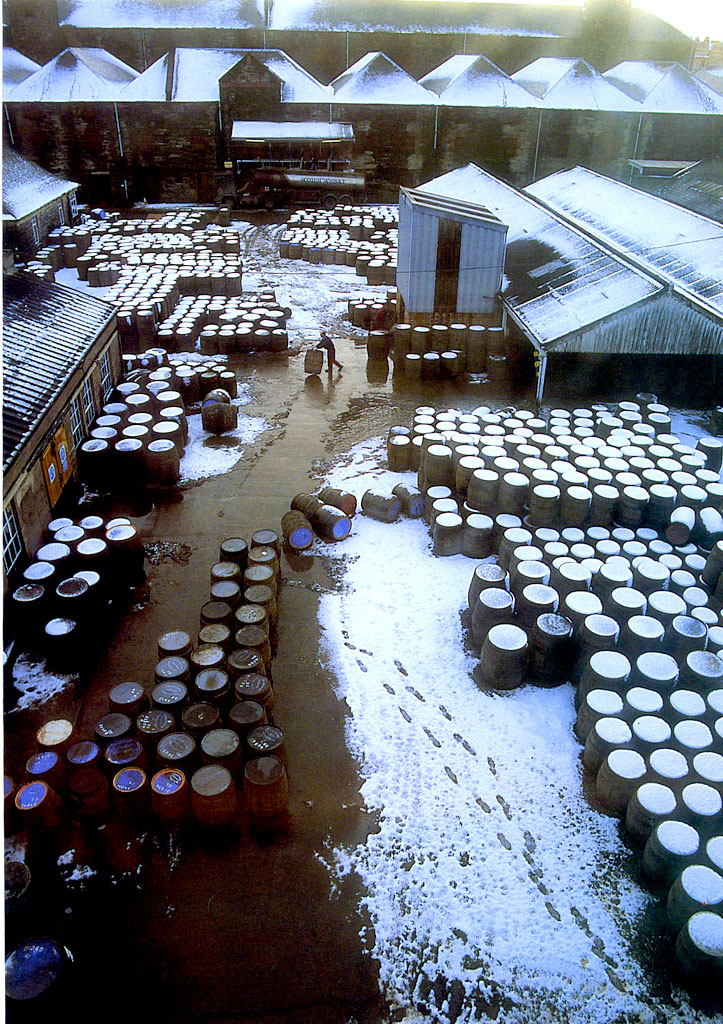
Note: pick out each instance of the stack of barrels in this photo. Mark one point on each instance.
(199, 742)
(254, 323)
(62, 605)
(359, 237)
(64, 247)
(326, 514)
(448, 351)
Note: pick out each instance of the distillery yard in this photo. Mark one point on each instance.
(448, 849)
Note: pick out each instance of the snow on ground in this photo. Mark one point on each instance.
(207, 454)
(35, 683)
(488, 865)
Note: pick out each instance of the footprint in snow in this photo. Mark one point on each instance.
(505, 806)
(432, 737)
(362, 666)
(446, 713)
(485, 807)
(415, 693)
(529, 858)
(368, 653)
(350, 646)
(465, 744)
(552, 911)
(530, 842)
(401, 668)
(345, 634)
(493, 766)
(504, 840)
(451, 774)
(388, 688)
(405, 714)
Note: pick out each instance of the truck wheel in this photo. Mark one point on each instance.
(268, 202)
(329, 201)
(345, 200)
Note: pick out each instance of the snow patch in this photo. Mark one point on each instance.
(209, 455)
(36, 683)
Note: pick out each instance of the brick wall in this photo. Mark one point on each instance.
(20, 235)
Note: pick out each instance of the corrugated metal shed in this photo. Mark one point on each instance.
(700, 189)
(27, 187)
(156, 14)
(569, 83)
(467, 80)
(558, 283)
(376, 78)
(47, 330)
(665, 87)
(78, 74)
(16, 67)
(196, 74)
(481, 252)
(681, 248)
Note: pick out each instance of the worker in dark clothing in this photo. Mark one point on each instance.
(328, 344)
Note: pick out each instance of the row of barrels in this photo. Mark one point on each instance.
(374, 261)
(236, 324)
(627, 478)
(369, 219)
(62, 604)
(376, 312)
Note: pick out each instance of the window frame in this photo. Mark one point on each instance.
(73, 204)
(36, 230)
(88, 402)
(77, 426)
(61, 214)
(105, 368)
(13, 547)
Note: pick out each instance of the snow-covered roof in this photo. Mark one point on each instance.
(467, 80)
(291, 131)
(664, 86)
(569, 83)
(557, 281)
(16, 67)
(27, 187)
(712, 77)
(681, 247)
(154, 14)
(197, 72)
(698, 188)
(376, 78)
(79, 73)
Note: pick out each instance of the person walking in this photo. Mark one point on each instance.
(328, 344)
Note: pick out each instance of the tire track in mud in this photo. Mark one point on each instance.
(526, 847)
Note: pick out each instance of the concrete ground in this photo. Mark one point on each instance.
(189, 927)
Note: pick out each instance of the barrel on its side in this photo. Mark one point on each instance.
(385, 507)
(297, 530)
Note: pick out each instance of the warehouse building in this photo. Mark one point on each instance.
(578, 287)
(61, 359)
(699, 188)
(34, 203)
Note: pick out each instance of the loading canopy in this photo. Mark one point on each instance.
(291, 131)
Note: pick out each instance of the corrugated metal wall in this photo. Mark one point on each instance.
(665, 325)
(482, 255)
(481, 262)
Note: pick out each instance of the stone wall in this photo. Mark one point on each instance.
(20, 236)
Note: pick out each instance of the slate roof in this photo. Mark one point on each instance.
(664, 86)
(569, 83)
(700, 189)
(557, 281)
(681, 247)
(16, 67)
(78, 74)
(377, 79)
(197, 71)
(466, 80)
(159, 14)
(47, 330)
(712, 77)
(27, 187)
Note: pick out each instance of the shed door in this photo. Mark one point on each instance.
(56, 466)
(449, 240)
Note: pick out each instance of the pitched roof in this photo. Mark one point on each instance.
(466, 80)
(376, 78)
(569, 83)
(27, 187)
(680, 247)
(557, 280)
(197, 71)
(664, 86)
(16, 67)
(155, 14)
(700, 189)
(47, 329)
(712, 77)
(79, 73)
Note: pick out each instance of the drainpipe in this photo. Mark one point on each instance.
(120, 147)
(347, 49)
(10, 127)
(143, 46)
(537, 145)
(635, 149)
(436, 116)
(541, 377)
(464, 43)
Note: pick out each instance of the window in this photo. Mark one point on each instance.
(12, 541)
(88, 402)
(61, 213)
(76, 422)
(106, 376)
(73, 201)
(36, 230)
